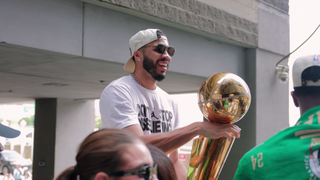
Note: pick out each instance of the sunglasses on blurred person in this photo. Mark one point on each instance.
(145, 171)
(160, 48)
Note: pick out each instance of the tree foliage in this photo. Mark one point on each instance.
(98, 122)
(29, 120)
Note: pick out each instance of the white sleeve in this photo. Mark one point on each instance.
(117, 108)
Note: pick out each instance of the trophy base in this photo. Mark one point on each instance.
(208, 157)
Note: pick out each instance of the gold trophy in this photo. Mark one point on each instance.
(223, 98)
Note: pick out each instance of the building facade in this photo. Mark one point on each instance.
(62, 53)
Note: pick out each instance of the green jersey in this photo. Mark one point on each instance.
(292, 153)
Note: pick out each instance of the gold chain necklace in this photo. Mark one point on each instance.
(136, 79)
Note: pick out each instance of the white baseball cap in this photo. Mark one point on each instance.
(300, 65)
(8, 132)
(140, 39)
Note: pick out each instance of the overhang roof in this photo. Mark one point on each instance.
(28, 73)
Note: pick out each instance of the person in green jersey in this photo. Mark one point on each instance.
(292, 153)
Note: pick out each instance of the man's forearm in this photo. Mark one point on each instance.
(172, 140)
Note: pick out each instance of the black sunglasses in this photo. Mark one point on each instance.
(146, 171)
(160, 48)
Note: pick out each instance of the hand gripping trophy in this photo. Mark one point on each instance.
(223, 98)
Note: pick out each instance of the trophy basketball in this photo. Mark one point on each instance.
(223, 98)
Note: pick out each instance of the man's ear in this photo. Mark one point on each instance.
(295, 98)
(137, 55)
(101, 176)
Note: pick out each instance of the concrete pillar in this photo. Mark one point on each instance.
(247, 123)
(75, 121)
(269, 111)
(60, 126)
(27, 153)
(44, 138)
(7, 146)
(17, 148)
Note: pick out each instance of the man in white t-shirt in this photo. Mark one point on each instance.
(137, 104)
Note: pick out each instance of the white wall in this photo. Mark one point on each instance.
(50, 25)
(107, 37)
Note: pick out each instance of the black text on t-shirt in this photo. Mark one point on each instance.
(156, 120)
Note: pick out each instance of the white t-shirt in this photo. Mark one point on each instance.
(124, 102)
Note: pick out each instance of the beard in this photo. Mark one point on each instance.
(151, 68)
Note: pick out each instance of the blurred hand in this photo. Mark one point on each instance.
(215, 131)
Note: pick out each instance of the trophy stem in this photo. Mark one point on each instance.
(208, 157)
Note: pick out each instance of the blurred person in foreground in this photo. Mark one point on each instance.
(27, 175)
(8, 176)
(165, 167)
(7, 132)
(137, 104)
(292, 153)
(18, 172)
(111, 154)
